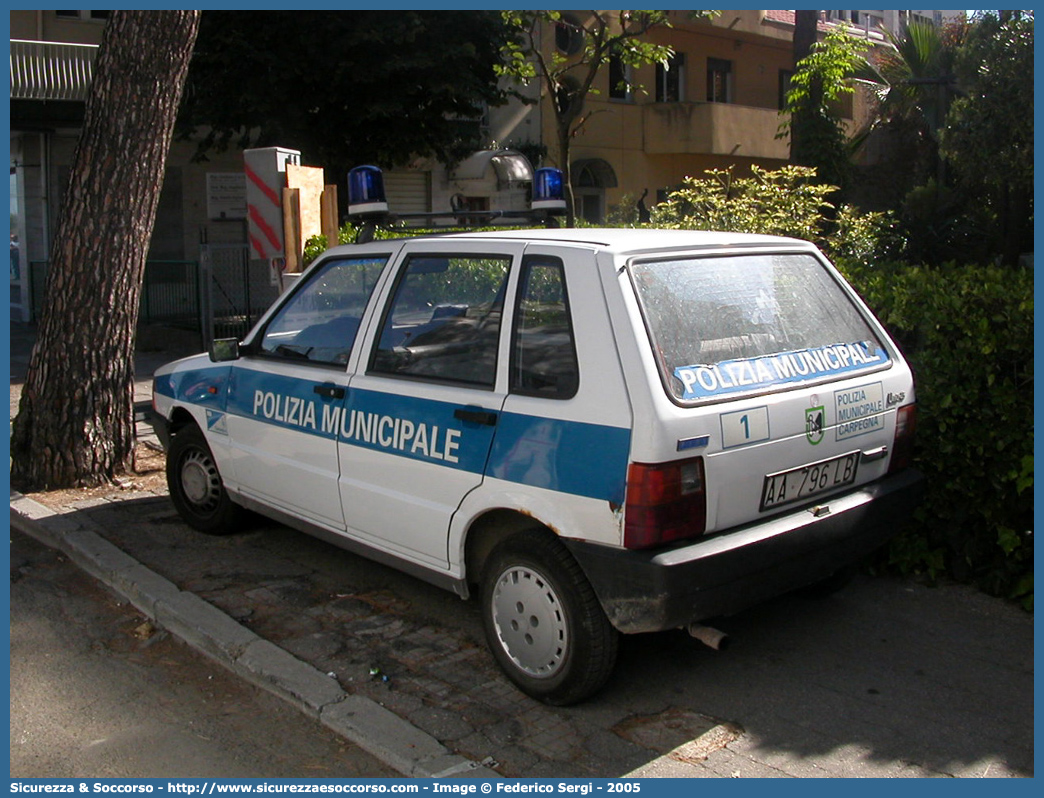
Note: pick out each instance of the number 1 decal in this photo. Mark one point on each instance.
(743, 427)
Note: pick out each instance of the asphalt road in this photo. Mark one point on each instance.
(96, 691)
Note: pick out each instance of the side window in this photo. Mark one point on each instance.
(320, 322)
(443, 322)
(670, 80)
(543, 351)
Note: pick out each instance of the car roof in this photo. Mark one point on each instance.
(617, 240)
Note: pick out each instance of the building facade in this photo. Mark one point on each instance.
(715, 105)
(51, 56)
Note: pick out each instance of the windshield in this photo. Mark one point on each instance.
(742, 323)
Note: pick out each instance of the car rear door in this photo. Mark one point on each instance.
(421, 413)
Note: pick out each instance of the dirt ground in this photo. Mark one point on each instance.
(149, 477)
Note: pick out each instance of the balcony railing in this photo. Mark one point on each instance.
(51, 70)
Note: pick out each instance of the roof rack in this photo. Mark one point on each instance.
(368, 204)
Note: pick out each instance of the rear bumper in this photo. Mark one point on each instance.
(720, 575)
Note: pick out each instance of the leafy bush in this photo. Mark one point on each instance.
(316, 245)
(786, 202)
(968, 334)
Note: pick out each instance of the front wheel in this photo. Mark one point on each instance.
(543, 621)
(195, 485)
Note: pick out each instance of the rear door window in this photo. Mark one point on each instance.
(444, 319)
(730, 325)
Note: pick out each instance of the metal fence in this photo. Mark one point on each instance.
(239, 290)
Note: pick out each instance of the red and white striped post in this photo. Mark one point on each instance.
(265, 170)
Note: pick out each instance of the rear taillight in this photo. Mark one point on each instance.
(902, 446)
(665, 502)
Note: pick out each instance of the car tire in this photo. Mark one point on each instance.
(543, 622)
(195, 485)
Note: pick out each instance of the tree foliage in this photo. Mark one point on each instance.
(988, 136)
(914, 83)
(812, 118)
(955, 107)
(75, 422)
(345, 87)
(995, 113)
(568, 78)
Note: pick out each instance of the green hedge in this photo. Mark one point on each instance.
(968, 334)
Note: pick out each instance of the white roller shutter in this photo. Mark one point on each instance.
(408, 192)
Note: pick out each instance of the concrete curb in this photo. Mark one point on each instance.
(378, 731)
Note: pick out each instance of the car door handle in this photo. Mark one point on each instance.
(329, 391)
(476, 415)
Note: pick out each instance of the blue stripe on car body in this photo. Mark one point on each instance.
(527, 450)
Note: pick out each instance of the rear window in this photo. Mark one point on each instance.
(744, 323)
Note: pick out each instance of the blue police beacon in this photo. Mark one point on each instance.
(366, 195)
(547, 190)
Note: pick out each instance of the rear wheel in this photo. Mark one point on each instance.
(195, 485)
(543, 621)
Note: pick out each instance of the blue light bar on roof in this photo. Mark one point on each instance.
(366, 191)
(548, 190)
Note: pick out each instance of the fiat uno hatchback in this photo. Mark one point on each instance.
(596, 431)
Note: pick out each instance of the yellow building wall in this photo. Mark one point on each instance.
(654, 146)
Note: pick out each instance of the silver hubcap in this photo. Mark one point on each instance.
(200, 481)
(530, 621)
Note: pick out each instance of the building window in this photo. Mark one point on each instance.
(619, 79)
(670, 80)
(719, 81)
(87, 16)
(569, 35)
(591, 177)
(569, 99)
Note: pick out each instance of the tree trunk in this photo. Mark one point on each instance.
(75, 423)
(564, 142)
(805, 36)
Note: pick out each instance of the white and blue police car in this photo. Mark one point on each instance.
(597, 431)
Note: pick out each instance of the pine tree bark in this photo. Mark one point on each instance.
(75, 423)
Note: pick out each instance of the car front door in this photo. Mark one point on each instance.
(287, 392)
